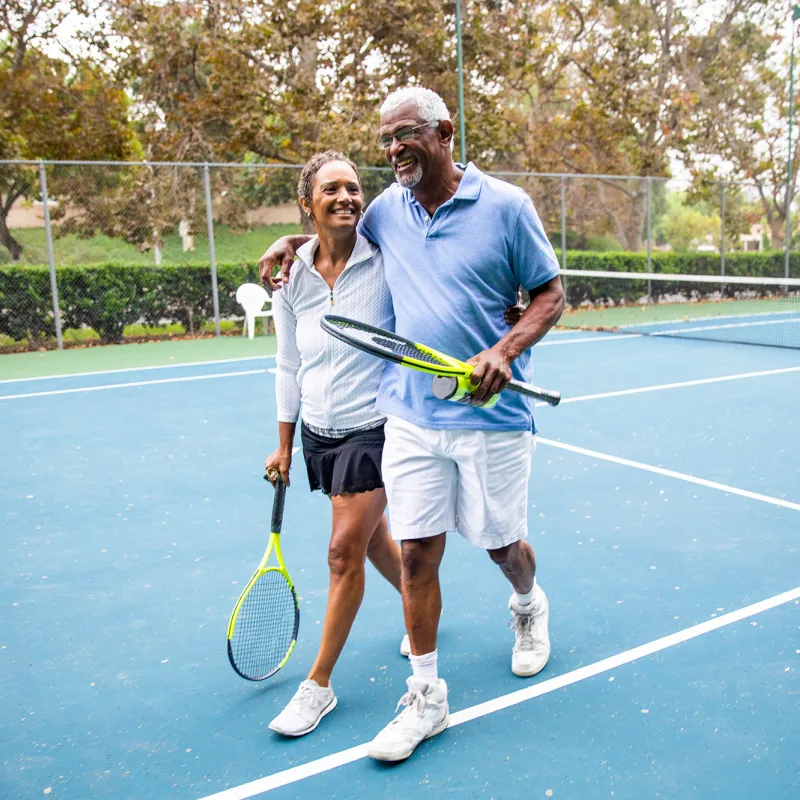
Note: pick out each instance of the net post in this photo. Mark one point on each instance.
(211, 254)
(649, 185)
(51, 261)
(564, 231)
(722, 229)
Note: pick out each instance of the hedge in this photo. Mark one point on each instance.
(108, 297)
(590, 291)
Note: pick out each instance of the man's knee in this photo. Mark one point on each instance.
(421, 558)
(502, 555)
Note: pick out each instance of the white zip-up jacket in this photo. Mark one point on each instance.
(335, 384)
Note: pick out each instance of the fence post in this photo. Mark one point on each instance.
(649, 238)
(722, 236)
(564, 231)
(48, 233)
(211, 254)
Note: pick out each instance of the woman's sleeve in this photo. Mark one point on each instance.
(287, 389)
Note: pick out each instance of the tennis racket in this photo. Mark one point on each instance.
(262, 631)
(452, 376)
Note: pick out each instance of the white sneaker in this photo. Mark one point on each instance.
(425, 714)
(532, 640)
(309, 705)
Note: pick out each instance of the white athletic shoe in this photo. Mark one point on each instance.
(532, 640)
(309, 705)
(426, 714)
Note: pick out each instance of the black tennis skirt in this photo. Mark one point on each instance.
(348, 465)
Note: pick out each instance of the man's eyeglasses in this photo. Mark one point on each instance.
(405, 134)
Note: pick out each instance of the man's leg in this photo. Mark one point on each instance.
(493, 470)
(422, 597)
(421, 482)
(518, 564)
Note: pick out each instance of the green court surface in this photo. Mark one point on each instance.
(130, 356)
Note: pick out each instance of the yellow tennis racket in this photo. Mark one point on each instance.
(262, 631)
(452, 377)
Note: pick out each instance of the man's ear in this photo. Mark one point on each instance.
(446, 131)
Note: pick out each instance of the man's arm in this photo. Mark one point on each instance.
(493, 367)
(282, 252)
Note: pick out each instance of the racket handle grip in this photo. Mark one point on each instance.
(277, 505)
(545, 395)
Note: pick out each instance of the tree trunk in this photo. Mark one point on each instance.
(8, 241)
(777, 231)
(628, 218)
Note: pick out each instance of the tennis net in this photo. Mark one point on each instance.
(763, 311)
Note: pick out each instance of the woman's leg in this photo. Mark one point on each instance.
(355, 519)
(384, 553)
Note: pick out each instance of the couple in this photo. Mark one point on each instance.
(437, 257)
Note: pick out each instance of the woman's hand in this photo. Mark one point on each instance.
(279, 463)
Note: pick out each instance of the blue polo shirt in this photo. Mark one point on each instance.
(451, 277)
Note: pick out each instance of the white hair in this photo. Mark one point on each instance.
(431, 107)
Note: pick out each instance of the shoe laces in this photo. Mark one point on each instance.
(413, 701)
(522, 625)
(306, 689)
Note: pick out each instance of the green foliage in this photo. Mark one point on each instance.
(111, 298)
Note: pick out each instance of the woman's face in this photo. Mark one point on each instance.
(336, 198)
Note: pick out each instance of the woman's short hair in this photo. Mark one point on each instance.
(313, 166)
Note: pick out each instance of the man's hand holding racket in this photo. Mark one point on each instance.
(492, 374)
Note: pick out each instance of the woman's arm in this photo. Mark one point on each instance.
(287, 389)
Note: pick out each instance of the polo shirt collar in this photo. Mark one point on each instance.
(468, 189)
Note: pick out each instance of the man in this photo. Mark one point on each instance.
(456, 246)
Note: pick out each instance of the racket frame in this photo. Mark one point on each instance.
(450, 367)
(274, 545)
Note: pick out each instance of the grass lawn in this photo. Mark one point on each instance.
(230, 247)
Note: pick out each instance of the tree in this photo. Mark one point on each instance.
(640, 81)
(50, 108)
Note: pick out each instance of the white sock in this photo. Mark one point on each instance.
(426, 667)
(527, 598)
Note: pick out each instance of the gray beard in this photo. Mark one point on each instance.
(412, 180)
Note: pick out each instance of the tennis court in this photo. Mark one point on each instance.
(665, 502)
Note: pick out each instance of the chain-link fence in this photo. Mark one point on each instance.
(124, 251)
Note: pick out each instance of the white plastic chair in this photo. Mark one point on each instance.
(252, 298)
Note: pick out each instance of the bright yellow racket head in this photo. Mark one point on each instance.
(263, 628)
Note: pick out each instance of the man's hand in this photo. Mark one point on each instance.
(492, 371)
(280, 253)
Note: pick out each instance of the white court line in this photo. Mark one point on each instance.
(709, 318)
(336, 760)
(679, 385)
(600, 338)
(681, 476)
(676, 331)
(134, 383)
(135, 369)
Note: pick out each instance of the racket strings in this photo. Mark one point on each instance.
(266, 626)
(407, 350)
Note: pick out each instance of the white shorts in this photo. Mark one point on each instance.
(475, 482)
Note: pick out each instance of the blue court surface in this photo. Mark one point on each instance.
(665, 516)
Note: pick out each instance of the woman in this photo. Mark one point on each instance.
(338, 271)
(341, 431)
